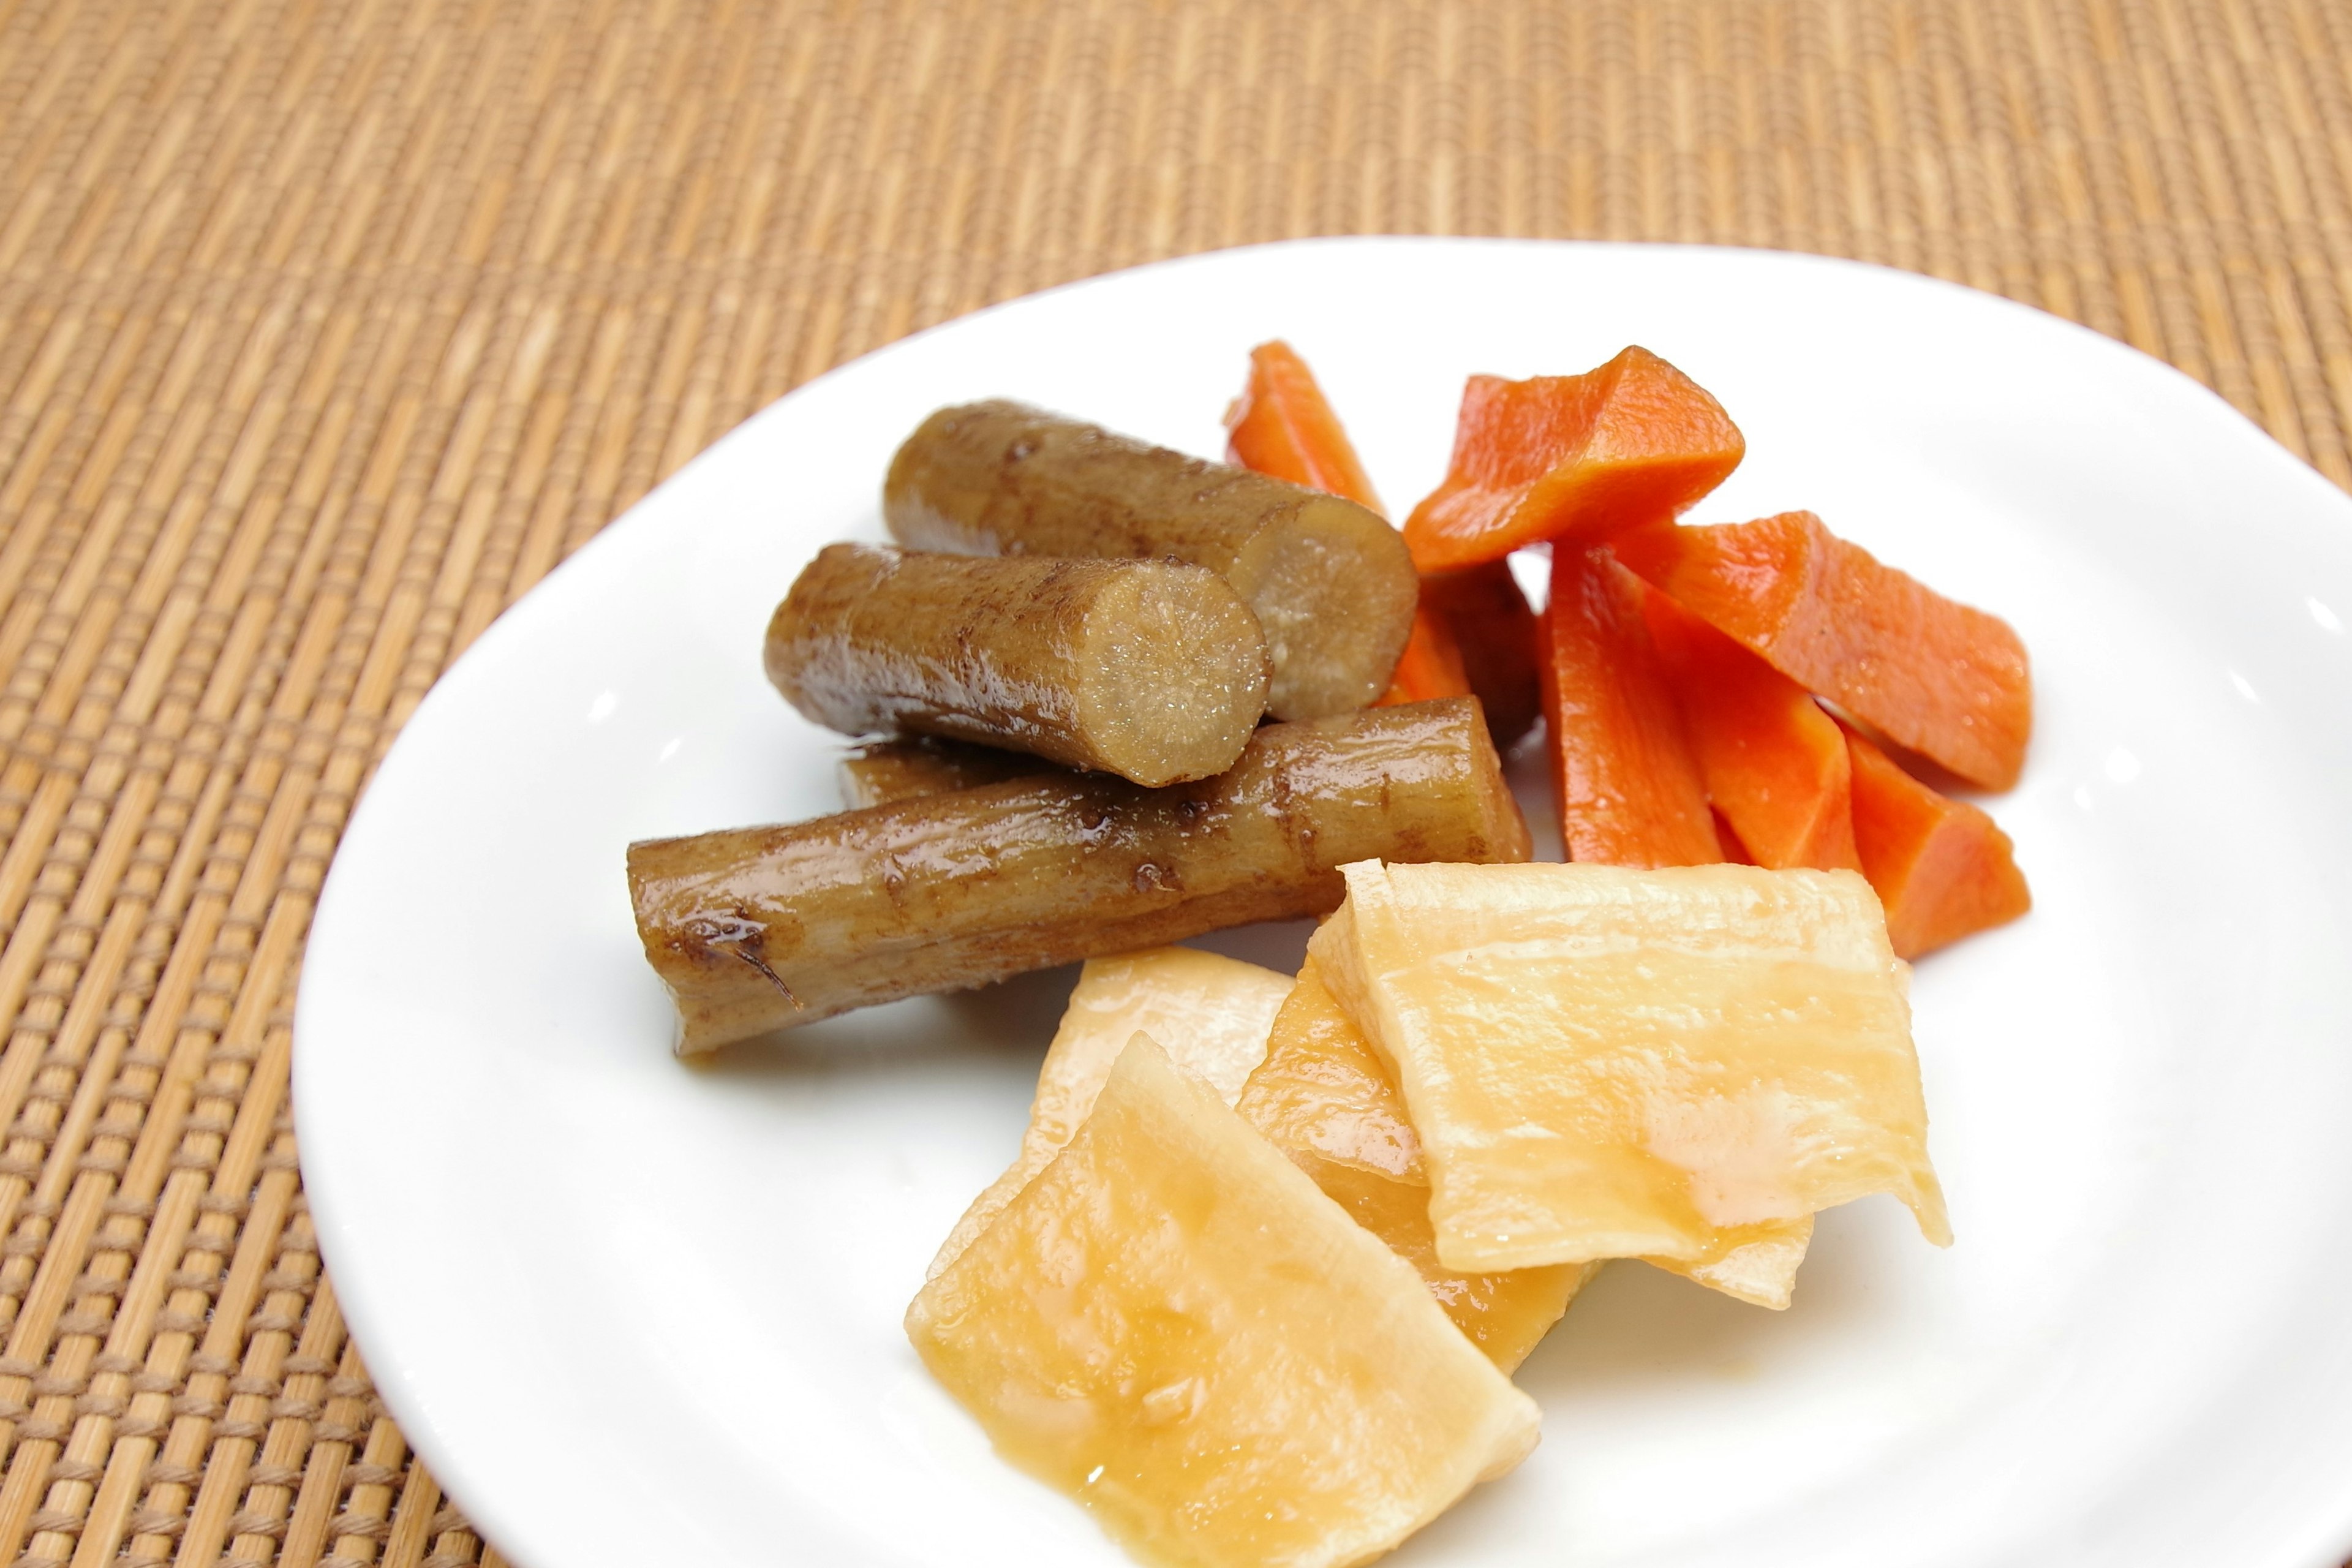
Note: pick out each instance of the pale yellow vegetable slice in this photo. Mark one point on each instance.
(1759, 1264)
(1171, 1324)
(1324, 1097)
(1605, 1062)
(1322, 1091)
(1211, 1013)
(1506, 1315)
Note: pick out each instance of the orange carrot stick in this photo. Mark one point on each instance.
(1942, 867)
(1284, 427)
(1572, 459)
(1629, 792)
(1948, 681)
(1775, 764)
(1431, 665)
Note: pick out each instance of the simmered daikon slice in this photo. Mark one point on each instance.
(1171, 1324)
(1210, 1013)
(1605, 1062)
(1324, 1097)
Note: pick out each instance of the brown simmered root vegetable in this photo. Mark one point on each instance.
(1500, 640)
(1150, 669)
(766, 928)
(1331, 580)
(883, 770)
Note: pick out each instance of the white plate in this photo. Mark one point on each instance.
(634, 1312)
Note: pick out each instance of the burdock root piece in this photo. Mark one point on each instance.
(883, 771)
(1331, 580)
(765, 927)
(1150, 669)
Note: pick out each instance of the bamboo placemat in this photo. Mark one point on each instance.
(326, 329)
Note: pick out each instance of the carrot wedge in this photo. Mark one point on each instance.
(1775, 764)
(1942, 867)
(1944, 681)
(1628, 789)
(1572, 459)
(1283, 427)
(1431, 665)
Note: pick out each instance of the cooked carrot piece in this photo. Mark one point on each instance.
(1431, 665)
(1937, 676)
(1496, 636)
(1775, 764)
(1283, 427)
(1473, 633)
(1572, 459)
(1942, 867)
(1629, 792)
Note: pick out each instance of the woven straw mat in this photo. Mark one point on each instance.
(326, 329)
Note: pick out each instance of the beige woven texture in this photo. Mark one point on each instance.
(325, 329)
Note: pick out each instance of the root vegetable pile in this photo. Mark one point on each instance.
(1254, 1286)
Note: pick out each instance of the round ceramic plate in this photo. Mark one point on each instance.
(635, 1311)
